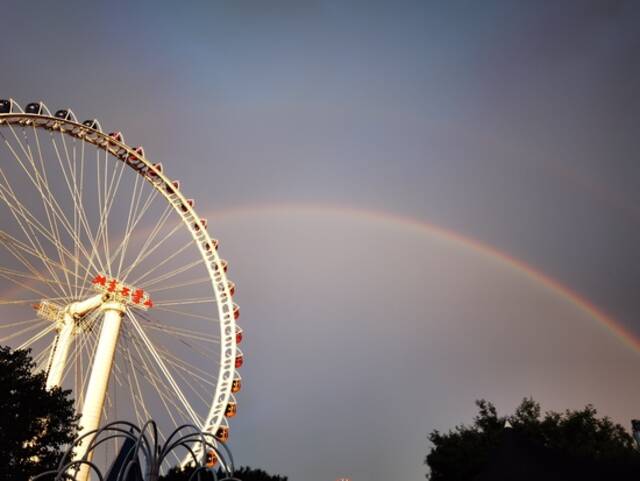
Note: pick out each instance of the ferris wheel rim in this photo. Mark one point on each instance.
(197, 227)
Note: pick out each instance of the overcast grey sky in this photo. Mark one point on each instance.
(511, 123)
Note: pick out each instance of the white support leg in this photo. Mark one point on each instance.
(60, 353)
(99, 380)
(65, 337)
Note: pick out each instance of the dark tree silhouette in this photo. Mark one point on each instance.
(568, 445)
(35, 424)
(245, 473)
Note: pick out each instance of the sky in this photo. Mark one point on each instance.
(412, 196)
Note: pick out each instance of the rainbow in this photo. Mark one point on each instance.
(581, 303)
(485, 250)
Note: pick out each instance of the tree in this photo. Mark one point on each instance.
(35, 423)
(572, 443)
(245, 473)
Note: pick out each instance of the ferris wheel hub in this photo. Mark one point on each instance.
(126, 294)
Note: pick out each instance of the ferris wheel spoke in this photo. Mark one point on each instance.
(82, 375)
(12, 249)
(43, 187)
(173, 273)
(79, 210)
(90, 347)
(47, 196)
(41, 358)
(202, 351)
(76, 220)
(36, 179)
(140, 211)
(156, 357)
(145, 251)
(33, 223)
(122, 248)
(182, 302)
(77, 367)
(118, 372)
(13, 335)
(137, 396)
(71, 191)
(134, 389)
(100, 240)
(160, 387)
(34, 338)
(20, 323)
(180, 370)
(181, 332)
(59, 212)
(112, 402)
(4, 302)
(179, 251)
(23, 285)
(85, 346)
(189, 368)
(107, 204)
(78, 345)
(162, 390)
(14, 245)
(71, 186)
(53, 209)
(164, 402)
(134, 401)
(142, 413)
(9, 242)
(148, 251)
(185, 313)
(199, 280)
(23, 275)
(81, 219)
(148, 320)
(18, 211)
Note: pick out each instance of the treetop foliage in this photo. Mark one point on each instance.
(35, 423)
(245, 473)
(564, 441)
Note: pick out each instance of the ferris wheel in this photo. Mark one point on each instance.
(109, 276)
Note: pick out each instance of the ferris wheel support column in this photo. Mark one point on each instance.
(99, 380)
(65, 337)
(60, 352)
